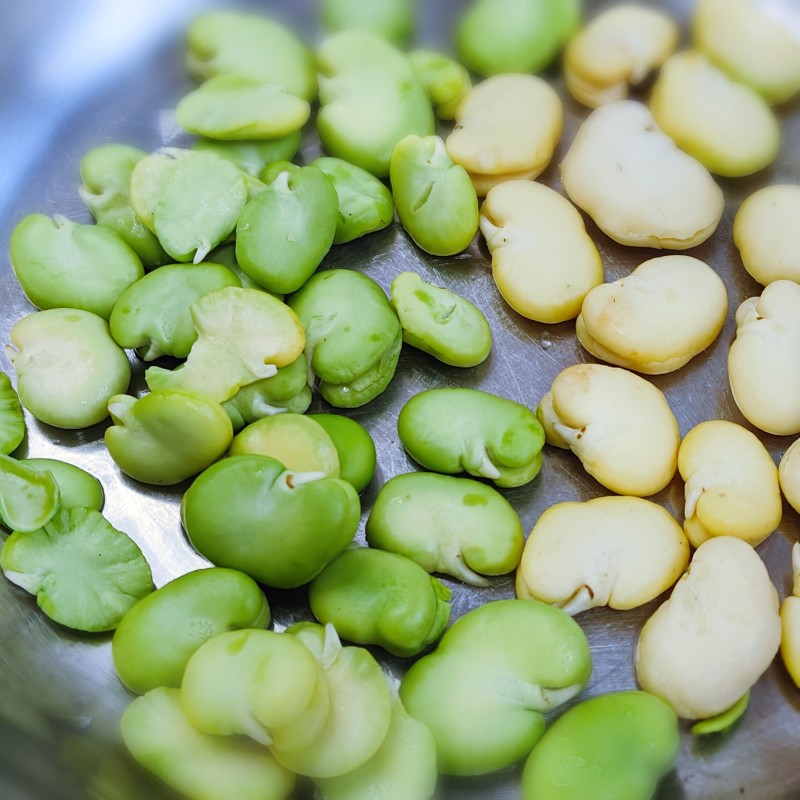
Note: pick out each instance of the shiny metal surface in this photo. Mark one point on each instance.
(78, 73)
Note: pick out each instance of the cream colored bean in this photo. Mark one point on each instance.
(750, 42)
(715, 636)
(618, 424)
(543, 261)
(725, 125)
(790, 622)
(789, 475)
(506, 127)
(616, 551)
(764, 360)
(619, 48)
(636, 184)
(731, 484)
(767, 233)
(664, 313)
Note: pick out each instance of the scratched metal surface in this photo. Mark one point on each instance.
(80, 73)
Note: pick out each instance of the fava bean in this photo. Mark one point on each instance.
(394, 20)
(77, 487)
(445, 80)
(12, 422)
(252, 156)
(357, 458)
(790, 621)
(28, 497)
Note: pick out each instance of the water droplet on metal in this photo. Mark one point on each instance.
(545, 342)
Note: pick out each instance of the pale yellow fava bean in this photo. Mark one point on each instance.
(507, 128)
(767, 233)
(790, 622)
(764, 360)
(789, 475)
(656, 319)
(634, 182)
(617, 423)
(732, 484)
(715, 636)
(725, 125)
(616, 551)
(617, 49)
(749, 40)
(543, 261)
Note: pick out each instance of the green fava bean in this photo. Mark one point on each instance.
(723, 722)
(360, 713)
(466, 430)
(252, 156)
(440, 322)
(197, 765)
(226, 255)
(353, 338)
(68, 366)
(617, 745)
(154, 314)
(371, 98)
(166, 437)
(106, 174)
(148, 179)
(12, 422)
(284, 233)
(286, 390)
(78, 488)
(485, 689)
(158, 636)
(403, 769)
(28, 498)
(375, 597)
(265, 685)
(63, 264)
(198, 206)
(457, 526)
(230, 107)
(279, 527)
(243, 335)
(501, 36)
(393, 20)
(365, 204)
(299, 443)
(446, 81)
(357, 457)
(435, 198)
(235, 43)
(85, 574)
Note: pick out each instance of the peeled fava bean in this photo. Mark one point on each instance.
(86, 574)
(618, 424)
(280, 527)
(440, 322)
(394, 20)
(763, 360)
(456, 526)
(434, 197)
(617, 49)
(199, 766)
(12, 421)
(617, 745)
(616, 551)
(353, 337)
(657, 318)
(485, 689)
(284, 232)
(790, 622)
(718, 632)
(252, 46)
(28, 497)
(444, 78)
(158, 636)
(766, 232)
(77, 487)
(371, 97)
(543, 261)
(507, 128)
(635, 183)
(789, 475)
(726, 126)
(243, 335)
(751, 42)
(379, 598)
(166, 436)
(63, 264)
(68, 366)
(466, 430)
(732, 484)
(357, 457)
(500, 36)
(251, 156)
